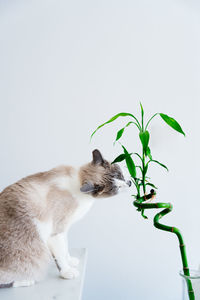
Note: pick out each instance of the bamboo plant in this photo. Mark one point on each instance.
(138, 173)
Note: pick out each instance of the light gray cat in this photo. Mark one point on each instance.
(37, 211)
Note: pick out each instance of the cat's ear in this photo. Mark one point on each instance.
(97, 157)
(87, 187)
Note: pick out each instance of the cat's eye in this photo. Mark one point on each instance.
(118, 176)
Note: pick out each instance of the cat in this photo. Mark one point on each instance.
(37, 211)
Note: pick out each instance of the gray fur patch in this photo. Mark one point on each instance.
(6, 285)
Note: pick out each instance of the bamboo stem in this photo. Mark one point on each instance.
(139, 203)
(143, 173)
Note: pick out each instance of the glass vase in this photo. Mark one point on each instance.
(194, 278)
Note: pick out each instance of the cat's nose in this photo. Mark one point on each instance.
(129, 183)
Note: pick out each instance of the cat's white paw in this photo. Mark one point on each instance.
(73, 261)
(70, 273)
(23, 283)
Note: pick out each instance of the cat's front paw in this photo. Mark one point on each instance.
(69, 273)
(73, 261)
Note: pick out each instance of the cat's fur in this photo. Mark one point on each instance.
(37, 211)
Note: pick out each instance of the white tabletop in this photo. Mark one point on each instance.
(52, 287)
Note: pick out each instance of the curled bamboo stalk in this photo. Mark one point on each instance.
(141, 206)
(140, 181)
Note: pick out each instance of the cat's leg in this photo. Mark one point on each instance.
(58, 247)
(73, 261)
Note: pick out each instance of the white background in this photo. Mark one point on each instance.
(67, 66)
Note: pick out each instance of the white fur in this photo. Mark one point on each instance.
(121, 183)
(58, 247)
(44, 229)
(72, 184)
(68, 182)
(62, 182)
(23, 283)
(69, 273)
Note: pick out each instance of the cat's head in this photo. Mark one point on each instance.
(100, 178)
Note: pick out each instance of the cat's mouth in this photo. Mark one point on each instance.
(120, 186)
(122, 183)
(129, 183)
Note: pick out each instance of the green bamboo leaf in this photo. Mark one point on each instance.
(148, 153)
(119, 158)
(113, 119)
(119, 134)
(142, 115)
(157, 162)
(172, 123)
(152, 185)
(138, 167)
(121, 131)
(130, 163)
(142, 110)
(142, 213)
(144, 138)
(136, 185)
(150, 120)
(139, 156)
(125, 150)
